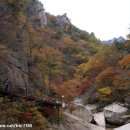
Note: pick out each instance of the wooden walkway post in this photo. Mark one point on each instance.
(58, 116)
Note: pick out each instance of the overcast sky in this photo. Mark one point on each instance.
(106, 18)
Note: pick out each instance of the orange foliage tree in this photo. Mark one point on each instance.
(121, 83)
(107, 56)
(106, 77)
(106, 89)
(125, 62)
(68, 88)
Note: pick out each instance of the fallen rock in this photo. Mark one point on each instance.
(82, 112)
(115, 113)
(124, 127)
(100, 119)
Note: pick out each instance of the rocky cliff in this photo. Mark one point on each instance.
(14, 62)
(39, 47)
(63, 21)
(35, 12)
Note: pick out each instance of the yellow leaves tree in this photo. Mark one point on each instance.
(92, 68)
(106, 57)
(106, 78)
(104, 94)
(127, 46)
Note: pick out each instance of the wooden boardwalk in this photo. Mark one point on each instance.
(47, 106)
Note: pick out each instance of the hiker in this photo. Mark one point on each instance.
(6, 84)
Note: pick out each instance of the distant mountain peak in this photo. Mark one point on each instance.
(119, 39)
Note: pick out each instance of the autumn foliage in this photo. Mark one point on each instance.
(125, 62)
(62, 58)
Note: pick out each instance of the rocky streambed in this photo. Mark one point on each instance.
(92, 117)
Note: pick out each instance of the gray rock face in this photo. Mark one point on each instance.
(36, 12)
(115, 113)
(17, 72)
(83, 113)
(15, 64)
(62, 21)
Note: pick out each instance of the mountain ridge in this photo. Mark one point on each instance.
(119, 39)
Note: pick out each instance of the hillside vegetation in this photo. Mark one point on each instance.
(45, 55)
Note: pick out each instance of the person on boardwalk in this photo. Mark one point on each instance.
(6, 83)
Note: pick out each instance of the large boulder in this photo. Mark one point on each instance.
(115, 113)
(82, 112)
(71, 122)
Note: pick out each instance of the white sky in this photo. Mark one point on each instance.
(106, 18)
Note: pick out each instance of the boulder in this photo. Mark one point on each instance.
(100, 119)
(71, 122)
(82, 112)
(115, 113)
